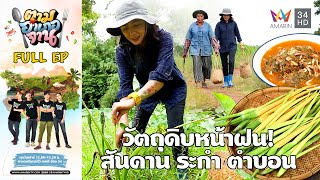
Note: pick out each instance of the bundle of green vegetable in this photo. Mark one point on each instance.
(294, 117)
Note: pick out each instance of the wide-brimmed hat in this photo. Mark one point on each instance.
(226, 11)
(129, 10)
(194, 14)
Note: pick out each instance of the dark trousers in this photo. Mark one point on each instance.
(31, 124)
(202, 67)
(174, 118)
(14, 129)
(56, 123)
(228, 66)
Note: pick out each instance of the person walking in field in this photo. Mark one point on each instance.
(226, 32)
(46, 119)
(146, 51)
(200, 39)
(32, 118)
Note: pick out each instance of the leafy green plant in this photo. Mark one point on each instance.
(98, 62)
(99, 70)
(226, 103)
(178, 50)
(316, 4)
(110, 94)
(105, 142)
(157, 123)
(13, 79)
(71, 99)
(75, 76)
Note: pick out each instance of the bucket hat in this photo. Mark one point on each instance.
(226, 11)
(129, 10)
(194, 14)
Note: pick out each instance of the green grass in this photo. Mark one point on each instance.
(244, 86)
(197, 99)
(241, 56)
(157, 124)
(194, 95)
(88, 148)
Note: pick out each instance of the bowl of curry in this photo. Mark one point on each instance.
(291, 60)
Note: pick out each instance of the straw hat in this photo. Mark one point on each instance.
(194, 14)
(129, 10)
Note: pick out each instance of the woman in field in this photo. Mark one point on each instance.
(200, 39)
(146, 51)
(226, 32)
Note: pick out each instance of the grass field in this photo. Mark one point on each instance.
(157, 124)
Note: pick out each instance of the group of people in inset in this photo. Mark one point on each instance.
(199, 39)
(45, 112)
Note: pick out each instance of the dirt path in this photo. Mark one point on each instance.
(233, 92)
(205, 94)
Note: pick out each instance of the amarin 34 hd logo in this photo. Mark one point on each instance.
(301, 18)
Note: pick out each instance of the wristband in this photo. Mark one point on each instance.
(135, 97)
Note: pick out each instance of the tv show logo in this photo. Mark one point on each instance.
(40, 26)
(280, 16)
(302, 19)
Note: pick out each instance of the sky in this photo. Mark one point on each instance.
(253, 17)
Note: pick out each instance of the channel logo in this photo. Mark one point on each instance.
(280, 16)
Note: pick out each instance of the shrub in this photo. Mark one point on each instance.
(99, 71)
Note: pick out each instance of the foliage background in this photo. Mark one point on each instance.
(100, 81)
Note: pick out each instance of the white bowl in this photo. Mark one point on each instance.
(257, 58)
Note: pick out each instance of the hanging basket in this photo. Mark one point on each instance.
(245, 70)
(217, 76)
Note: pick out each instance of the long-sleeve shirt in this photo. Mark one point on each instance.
(200, 38)
(152, 66)
(227, 33)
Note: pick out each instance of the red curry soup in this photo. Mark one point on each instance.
(292, 63)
